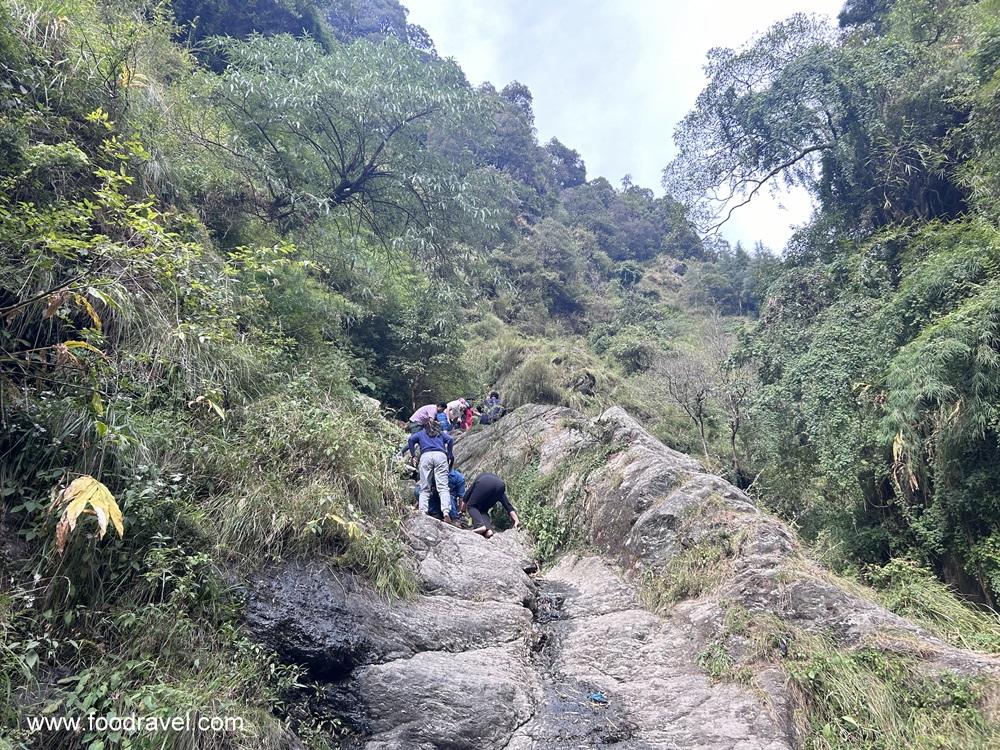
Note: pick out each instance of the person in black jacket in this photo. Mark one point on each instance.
(487, 491)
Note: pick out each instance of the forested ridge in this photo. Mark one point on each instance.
(240, 240)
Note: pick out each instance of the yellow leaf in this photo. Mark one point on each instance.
(117, 520)
(352, 528)
(83, 492)
(83, 345)
(85, 304)
(97, 404)
(217, 409)
(210, 403)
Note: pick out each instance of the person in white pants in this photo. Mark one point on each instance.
(433, 468)
(435, 460)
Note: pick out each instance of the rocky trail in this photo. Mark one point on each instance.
(604, 643)
(494, 654)
(568, 659)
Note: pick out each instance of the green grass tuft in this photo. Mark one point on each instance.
(915, 593)
(869, 700)
(854, 699)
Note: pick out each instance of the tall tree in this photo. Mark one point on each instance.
(768, 113)
(350, 132)
(567, 164)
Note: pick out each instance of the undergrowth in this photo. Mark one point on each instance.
(182, 654)
(853, 698)
(551, 505)
(531, 493)
(868, 699)
(915, 593)
(693, 571)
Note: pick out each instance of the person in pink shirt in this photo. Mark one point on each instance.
(423, 415)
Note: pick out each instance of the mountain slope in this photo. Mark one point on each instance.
(592, 652)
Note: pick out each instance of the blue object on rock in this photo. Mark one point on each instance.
(598, 697)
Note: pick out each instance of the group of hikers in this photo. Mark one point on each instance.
(441, 491)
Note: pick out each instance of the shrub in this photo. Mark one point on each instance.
(869, 700)
(854, 698)
(915, 593)
(531, 494)
(536, 381)
(633, 351)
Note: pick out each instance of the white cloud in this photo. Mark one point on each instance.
(611, 78)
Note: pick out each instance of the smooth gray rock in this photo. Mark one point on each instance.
(644, 503)
(473, 699)
(646, 668)
(458, 563)
(488, 658)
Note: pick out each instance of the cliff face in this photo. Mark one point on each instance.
(494, 655)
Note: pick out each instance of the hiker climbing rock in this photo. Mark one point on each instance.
(469, 413)
(436, 459)
(487, 490)
(442, 418)
(424, 413)
(456, 409)
(456, 488)
(491, 409)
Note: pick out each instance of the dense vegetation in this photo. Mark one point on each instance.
(236, 237)
(877, 348)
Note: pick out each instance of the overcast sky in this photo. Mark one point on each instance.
(611, 78)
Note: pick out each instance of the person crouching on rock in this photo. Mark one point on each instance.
(456, 488)
(435, 459)
(421, 415)
(486, 491)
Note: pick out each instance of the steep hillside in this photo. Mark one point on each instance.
(684, 617)
(240, 243)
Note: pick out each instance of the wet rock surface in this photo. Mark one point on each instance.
(567, 660)
(495, 655)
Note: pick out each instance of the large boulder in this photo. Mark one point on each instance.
(471, 699)
(331, 622)
(458, 563)
(641, 668)
(489, 657)
(449, 668)
(643, 504)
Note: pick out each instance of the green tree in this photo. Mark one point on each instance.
(567, 164)
(200, 20)
(350, 132)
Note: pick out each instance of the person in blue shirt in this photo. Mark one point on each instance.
(456, 488)
(436, 459)
(442, 417)
(491, 409)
